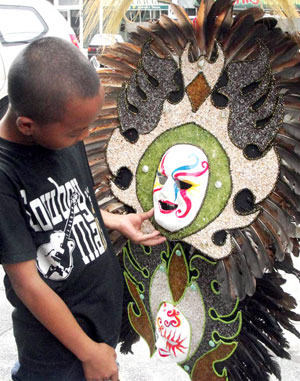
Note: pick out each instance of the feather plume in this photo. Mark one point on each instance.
(267, 245)
(184, 23)
(214, 21)
(240, 239)
(178, 39)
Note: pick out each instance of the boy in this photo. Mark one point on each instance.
(63, 278)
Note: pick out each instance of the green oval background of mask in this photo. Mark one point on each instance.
(219, 170)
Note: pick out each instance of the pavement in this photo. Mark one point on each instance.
(139, 366)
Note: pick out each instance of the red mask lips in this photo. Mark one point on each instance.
(167, 207)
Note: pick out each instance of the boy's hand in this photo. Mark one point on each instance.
(130, 226)
(102, 364)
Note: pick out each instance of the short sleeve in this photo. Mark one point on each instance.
(16, 244)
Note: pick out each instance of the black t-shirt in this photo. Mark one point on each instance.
(48, 212)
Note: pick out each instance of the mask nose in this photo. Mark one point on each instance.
(168, 191)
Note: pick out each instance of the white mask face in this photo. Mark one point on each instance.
(180, 186)
(173, 334)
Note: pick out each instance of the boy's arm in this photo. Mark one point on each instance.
(130, 226)
(98, 358)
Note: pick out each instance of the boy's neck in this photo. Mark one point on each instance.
(9, 130)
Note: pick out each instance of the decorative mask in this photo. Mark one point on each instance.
(173, 334)
(180, 186)
(205, 130)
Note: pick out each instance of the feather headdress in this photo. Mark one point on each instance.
(230, 86)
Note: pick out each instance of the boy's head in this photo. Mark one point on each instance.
(52, 85)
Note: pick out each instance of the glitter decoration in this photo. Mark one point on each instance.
(199, 304)
(260, 109)
(211, 344)
(222, 307)
(190, 70)
(186, 367)
(198, 90)
(218, 184)
(160, 291)
(145, 169)
(178, 275)
(250, 174)
(178, 252)
(148, 264)
(142, 296)
(141, 100)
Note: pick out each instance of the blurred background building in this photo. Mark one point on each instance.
(139, 11)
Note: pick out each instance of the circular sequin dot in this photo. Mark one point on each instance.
(186, 367)
(218, 184)
(287, 118)
(142, 296)
(211, 344)
(162, 268)
(193, 287)
(201, 63)
(145, 168)
(178, 253)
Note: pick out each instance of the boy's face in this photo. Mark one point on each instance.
(74, 126)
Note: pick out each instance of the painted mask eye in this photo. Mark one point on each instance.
(161, 178)
(183, 184)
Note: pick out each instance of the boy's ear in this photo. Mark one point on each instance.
(25, 125)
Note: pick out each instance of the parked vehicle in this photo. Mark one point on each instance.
(100, 41)
(20, 23)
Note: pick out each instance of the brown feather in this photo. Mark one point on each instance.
(157, 44)
(121, 53)
(204, 9)
(110, 61)
(288, 143)
(292, 129)
(184, 23)
(256, 12)
(214, 21)
(245, 248)
(246, 46)
(275, 231)
(283, 52)
(260, 242)
(163, 35)
(238, 32)
(289, 69)
(173, 30)
(275, 244)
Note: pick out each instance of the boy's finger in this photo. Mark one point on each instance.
(146, 215)
(153, 241)
(145, 236)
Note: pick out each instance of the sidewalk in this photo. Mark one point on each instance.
(139, 367)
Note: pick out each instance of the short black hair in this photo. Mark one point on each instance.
(45, 75)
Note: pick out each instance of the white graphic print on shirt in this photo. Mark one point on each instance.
(65, 203)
